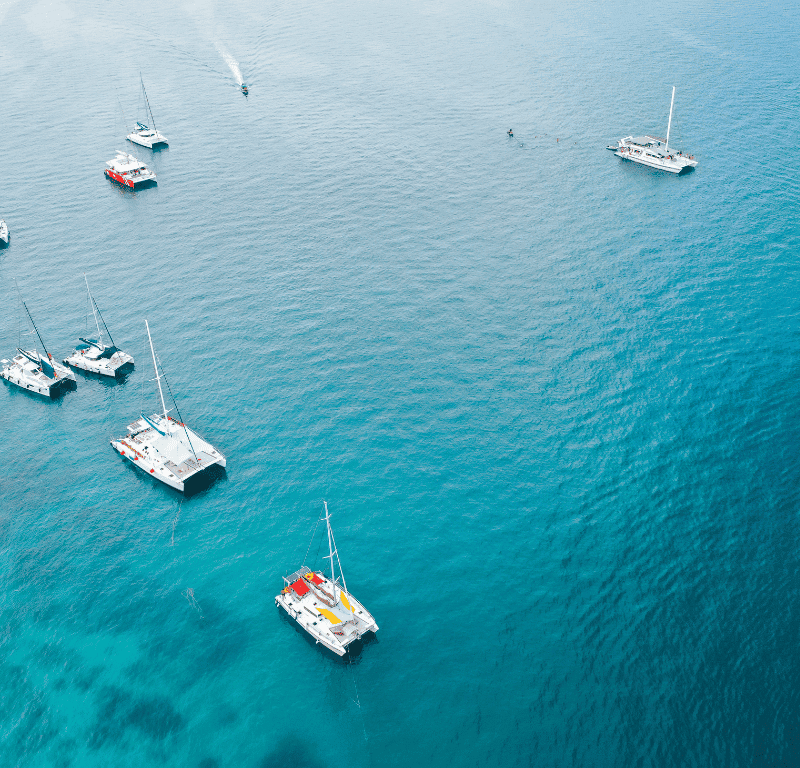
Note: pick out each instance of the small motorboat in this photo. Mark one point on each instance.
(244, 89)
(3, 232)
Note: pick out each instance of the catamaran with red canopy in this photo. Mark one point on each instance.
(322, 606)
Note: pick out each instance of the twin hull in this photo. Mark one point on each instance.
(49, 391)
(130, 183)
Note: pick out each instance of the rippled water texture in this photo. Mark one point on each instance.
(551, 398)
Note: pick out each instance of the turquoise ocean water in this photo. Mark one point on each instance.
(550, 398)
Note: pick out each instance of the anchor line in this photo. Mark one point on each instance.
(174, 523)
(357, 699)
(189, 595)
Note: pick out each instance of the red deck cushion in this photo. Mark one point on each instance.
(316, 579)
(300, 587)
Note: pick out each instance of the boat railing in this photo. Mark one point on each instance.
(298, 574)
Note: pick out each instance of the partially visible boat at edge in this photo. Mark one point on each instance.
(94, 355)
(127, 170)
(654, 151)
(3, 231)
(322, 606)
(142, 134)
(165, 447)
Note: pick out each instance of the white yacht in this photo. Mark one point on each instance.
(322, 606)
(654, 151)
(143, 134)
(165, 447)
(128, 170)
(4, 231)
(94, 355)
(37, 373)
(30, 371)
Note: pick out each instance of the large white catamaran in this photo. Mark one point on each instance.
(322, 606)
(94, 355)
(144, 135)
(165, 447)
(654, 151)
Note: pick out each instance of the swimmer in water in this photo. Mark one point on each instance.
(510, 132)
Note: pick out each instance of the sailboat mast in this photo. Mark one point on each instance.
(669, 124)
(35, 329)
(147, 101)
(330, 550)
(91, 302)
(155, 367)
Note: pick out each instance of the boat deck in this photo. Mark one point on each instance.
(309, 598)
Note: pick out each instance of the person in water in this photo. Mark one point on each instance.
(510, 132)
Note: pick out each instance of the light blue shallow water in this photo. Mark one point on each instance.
(550, 398)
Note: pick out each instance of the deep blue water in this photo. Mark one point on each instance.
(550, 398)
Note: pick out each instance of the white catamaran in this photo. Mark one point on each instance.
(142, 134)
(35, 372)
(93, 355)
(322, 606)
(164, 447)
(654, 151)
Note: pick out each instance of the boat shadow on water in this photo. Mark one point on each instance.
(354, 650)
(202, 481)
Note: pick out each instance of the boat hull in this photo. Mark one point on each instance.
(152, 468)
(157, 470)
(82, 364)
(668, 167)
(49, 392)
(146, 141)
(130, 183)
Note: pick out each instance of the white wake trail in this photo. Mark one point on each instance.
(231, 62)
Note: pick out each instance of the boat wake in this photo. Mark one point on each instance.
(231, 62)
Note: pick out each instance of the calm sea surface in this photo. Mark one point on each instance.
(551, 399)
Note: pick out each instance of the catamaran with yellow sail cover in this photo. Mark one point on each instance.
(322, 606)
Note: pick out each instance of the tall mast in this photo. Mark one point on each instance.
(334, 552)
(669, 124)
(330, 550)
(36, 329)
(155, 367)
(147, 101)
(91, 303)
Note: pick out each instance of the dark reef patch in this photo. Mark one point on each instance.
(119, 712)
